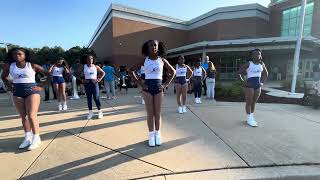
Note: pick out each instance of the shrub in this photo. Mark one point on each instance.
(287, 85)
(236, 89)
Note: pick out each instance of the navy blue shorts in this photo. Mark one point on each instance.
(154, 86)
(58, 80)
(253, 82)
(23, 90)
(181, 80)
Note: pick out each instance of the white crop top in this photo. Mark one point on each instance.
(90, 72)
(254, 70)
(181, 71)
(57, 71)
(22, 75)
(197, 72)
(153, 69)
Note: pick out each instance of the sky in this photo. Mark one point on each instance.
(68, 23)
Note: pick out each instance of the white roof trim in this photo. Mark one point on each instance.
(241, 42)
(229, 9)
(232, 12)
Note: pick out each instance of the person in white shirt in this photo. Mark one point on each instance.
(152, 87)
(57, 72)
(199, 75)
(257, 74)
(26, 93)
(183, 72)
(91, 83)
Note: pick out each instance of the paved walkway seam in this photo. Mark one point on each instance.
(40, 154)
(216, 134)
(120, 152)
(234, 168)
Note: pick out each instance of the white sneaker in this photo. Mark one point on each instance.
(152, 140)
(36, 141)
(65, 107)
(199, 101)
(180, 110)
(196, 101)
(184, 109)
(26, 142)
(158, 138)
(100, 115)
(251, 121)
(90, 115)
(60, 107)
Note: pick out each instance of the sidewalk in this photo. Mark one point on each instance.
(210, 141)
(272, 91)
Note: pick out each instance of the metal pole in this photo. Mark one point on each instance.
(298, 47)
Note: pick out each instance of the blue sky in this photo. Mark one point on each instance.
(67, 23)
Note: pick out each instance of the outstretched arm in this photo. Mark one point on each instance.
(189, 72)
(171, 71)
(242, 71)
(102, 72)
(133, 73)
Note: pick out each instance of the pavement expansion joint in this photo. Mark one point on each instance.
(233, 168)
(40, 154)
(78, 136)
(216, 134)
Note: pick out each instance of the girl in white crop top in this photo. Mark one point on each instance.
(91, 83)
(153, 88)
(257, 74)
(57, 70)
(153, 69)
(183, 72)
(25, 91)
(22, 75)
(199, 75)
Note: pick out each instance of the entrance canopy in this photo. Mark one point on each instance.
(275, 43)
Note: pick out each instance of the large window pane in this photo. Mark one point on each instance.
(309, 8)
(291, 20)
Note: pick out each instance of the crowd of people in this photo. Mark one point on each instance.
(153, 75)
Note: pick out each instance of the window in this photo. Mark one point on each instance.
(291, 21)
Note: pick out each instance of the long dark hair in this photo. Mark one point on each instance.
(9, 59)
(85, 56)
(161, 48)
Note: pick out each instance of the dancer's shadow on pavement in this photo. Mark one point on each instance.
(11, 144)
(110, 159)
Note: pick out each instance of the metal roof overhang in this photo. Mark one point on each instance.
(275, 43)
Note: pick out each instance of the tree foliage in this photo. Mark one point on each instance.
(40, 55)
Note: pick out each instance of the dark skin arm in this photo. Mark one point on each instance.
(50, 69)
(39, 69)
(242, 71)
(102, 74)
(134, 75)
(171, 71)
(189, 72)
(205, 73)
(66, 67)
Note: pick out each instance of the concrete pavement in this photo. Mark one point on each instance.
(210, 141)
